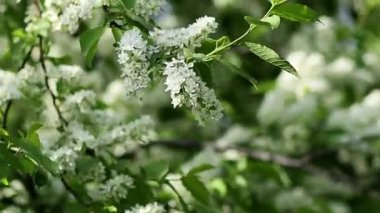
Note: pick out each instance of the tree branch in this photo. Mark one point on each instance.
(46, 81)
(303, 163)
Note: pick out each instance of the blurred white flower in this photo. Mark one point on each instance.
(149, 208)
(191, 36)
(9, 86)
(116, 189)
(147, 9)
(65, 156)
(81, 99)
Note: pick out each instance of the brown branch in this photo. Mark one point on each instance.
(303, 163)
(54, 98)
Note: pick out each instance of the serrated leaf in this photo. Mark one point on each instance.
(271, 57)
(200, 169)
(196, 188)
(89, 42)
(295, 12)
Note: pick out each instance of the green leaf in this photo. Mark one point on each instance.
(60, 60)
(273, 20)
(89, 42)
(269, 21)
(129, 3)
(295, 12)
(271, 171)
(32, 136)
(204, 71)
(271, 57)
(3, 133)
(254, 21)
(41, 178)
(196, 188)
(200, 169)
(4, 168)
(16, 162)
(4, 181)
(34, 152)
(117, 33)
(157, 170)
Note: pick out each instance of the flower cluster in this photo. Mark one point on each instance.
(149, 208)
(190, 36)
(185, 87)
(62, 14)
(147, 9)
(361, 119)
(134, 55)
(113, 189)
(298, 105)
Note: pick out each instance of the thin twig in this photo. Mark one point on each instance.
(63, 121)
(304, 163)
(54, 98)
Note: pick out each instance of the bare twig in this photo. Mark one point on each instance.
(46, 81)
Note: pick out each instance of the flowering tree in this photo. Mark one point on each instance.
(84, 140)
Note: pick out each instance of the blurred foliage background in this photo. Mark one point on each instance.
(286, 145)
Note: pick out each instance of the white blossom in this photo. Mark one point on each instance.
(66, 72)
(77, 10)
(79, 99)
(62, 14)
(134, 54)
(137, 131)
(191, 36)
(361, 119)
(80, 135)
(149, 208)
(147, 9)
(116, 188)
(9, 86)
(65, 156)
(187, 89)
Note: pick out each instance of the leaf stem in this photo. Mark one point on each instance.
(217, 50)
